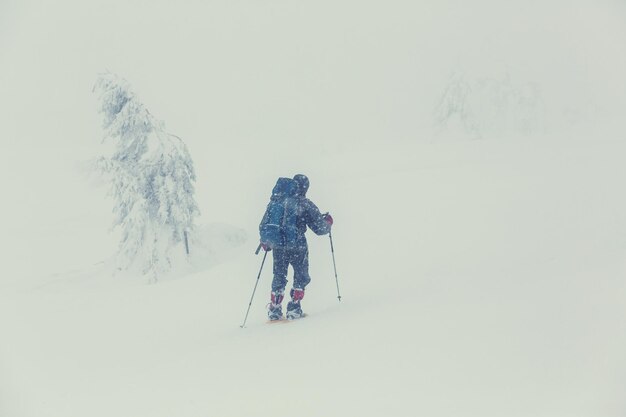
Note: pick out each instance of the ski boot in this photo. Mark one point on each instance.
(274, 308)
(294, 310)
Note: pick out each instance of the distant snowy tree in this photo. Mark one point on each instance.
(489, 106)
(152, 177)
(455, 108)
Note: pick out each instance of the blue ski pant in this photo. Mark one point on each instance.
(298, 258)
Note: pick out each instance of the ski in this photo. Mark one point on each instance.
(285, 320)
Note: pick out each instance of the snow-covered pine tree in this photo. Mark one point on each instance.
(152, 176)
(490, 106)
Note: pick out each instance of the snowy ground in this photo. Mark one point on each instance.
(479, 277)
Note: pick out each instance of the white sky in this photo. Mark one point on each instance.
(326, 70)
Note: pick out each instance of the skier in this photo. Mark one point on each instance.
(297, 255)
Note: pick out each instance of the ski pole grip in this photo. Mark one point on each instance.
(258, 249)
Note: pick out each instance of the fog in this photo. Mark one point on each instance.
(482, 141)
(306, 73)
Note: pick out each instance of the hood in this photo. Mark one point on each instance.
(303, 184)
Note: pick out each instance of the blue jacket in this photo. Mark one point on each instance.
(309, 215)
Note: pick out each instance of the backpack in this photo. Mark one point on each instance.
(278, 227)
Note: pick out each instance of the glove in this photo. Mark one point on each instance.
(265, 247)
(328, 218)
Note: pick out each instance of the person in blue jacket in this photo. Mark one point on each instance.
(308, 215)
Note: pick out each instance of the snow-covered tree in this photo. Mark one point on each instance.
(455, 107)
(489, 106)
(152, 176)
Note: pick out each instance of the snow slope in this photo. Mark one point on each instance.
(479, 277)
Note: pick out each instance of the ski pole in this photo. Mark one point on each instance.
(332, 249)
(254, 291)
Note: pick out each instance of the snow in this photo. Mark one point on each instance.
(479, 277)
